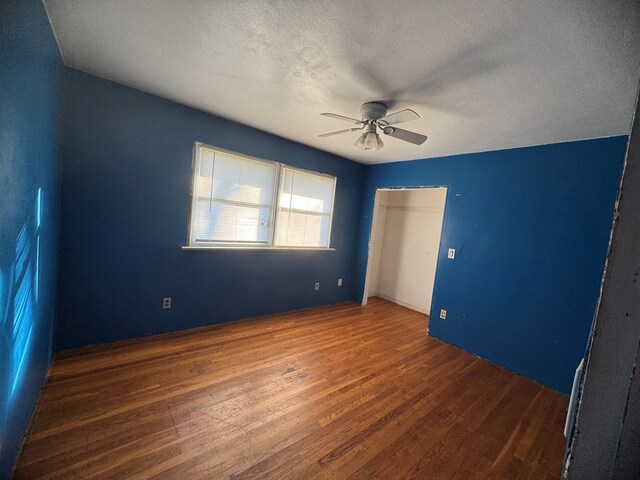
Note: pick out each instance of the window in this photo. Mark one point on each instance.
(240, 201)
(232, 199)
(305, 202)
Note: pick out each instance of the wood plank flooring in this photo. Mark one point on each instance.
(339, 392)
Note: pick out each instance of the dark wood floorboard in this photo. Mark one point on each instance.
(338, 392)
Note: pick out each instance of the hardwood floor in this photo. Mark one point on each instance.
(333, 392)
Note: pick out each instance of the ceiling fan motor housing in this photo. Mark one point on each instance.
(373, 111)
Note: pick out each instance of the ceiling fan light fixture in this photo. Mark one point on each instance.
(371, 140)
(360, 142)
(379, 143)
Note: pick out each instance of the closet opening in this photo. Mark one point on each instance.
(404, 246)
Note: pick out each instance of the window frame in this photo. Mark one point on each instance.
(278, 173)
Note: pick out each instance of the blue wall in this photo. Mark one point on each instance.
(30, 81)
(530, 227)
(126, 181)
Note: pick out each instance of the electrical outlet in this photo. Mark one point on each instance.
(166, 303)
(316, 287)
(339, 282)
(443, 314)
(451, 254)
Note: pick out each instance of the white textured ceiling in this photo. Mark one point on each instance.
(483, 75)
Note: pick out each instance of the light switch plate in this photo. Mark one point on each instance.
(451, 254)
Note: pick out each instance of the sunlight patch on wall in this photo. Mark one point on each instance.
(26, 285)
(23, 308)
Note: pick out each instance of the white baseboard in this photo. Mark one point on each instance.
(403, 304)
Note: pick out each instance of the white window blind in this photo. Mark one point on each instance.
(305, 204)
(233, 199)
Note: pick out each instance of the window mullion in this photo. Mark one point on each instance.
(274, 210)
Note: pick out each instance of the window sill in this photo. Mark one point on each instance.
(225, 247)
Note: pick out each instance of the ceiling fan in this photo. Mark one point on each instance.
(374, 115)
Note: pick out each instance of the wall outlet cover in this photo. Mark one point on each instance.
(166, 303)
(443, 314)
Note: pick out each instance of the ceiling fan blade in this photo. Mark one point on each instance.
(338, 132)
(401, 116)
(406, 135)
(342, 117)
